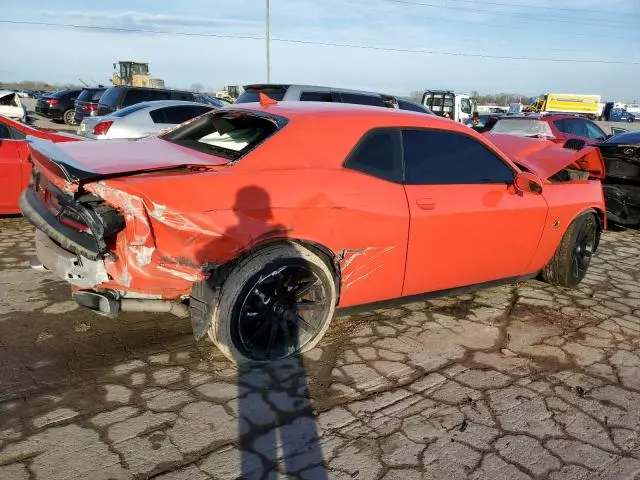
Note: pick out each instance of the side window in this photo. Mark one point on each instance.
(360, 99)
(572, 126)
(316, 97)
(593, 131)
(5, 134)
(136, 96)
(378, 153)
(185, 96)
(17, 134)
(434, 157)
(465, 105)
(177, 114)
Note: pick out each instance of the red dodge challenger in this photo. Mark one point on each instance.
(15, 168)
(259, 221)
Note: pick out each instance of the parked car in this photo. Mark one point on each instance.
(58, 106)
(141, 119)
(557, 128)
(311, 93)
(621, 155)
(15, 169)
(121, 96)
(87, 103)
(11, 106)
(209, 100)
(485, 123)
(259, 228)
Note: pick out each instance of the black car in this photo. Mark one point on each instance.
(58, 106)
(621, 186)
(87, 103)
(118, 97)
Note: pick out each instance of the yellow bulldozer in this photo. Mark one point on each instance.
(134, 74)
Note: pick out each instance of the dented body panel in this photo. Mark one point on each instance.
(187, 214)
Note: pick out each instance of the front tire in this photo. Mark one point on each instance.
(276, 303)
(570, 262)
(69, 117)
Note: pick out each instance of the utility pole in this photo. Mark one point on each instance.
(268, 45)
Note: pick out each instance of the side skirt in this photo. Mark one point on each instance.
(394, 302)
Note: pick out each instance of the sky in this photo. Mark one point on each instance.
(453, 42)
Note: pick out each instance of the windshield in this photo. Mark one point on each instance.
(228, 135)
(523, 128)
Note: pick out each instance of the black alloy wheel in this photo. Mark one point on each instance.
(584, 246)
(285, 308)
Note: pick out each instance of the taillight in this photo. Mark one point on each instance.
(102, 128)
(90, 108)
(52, 101)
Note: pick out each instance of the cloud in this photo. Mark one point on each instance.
(148, 21)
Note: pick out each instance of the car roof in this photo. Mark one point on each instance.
(169, 103)
(372, 114)
(266, 86)
(151, 89)
(543, 116)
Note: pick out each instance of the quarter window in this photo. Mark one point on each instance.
(379, 153)
(434, 157)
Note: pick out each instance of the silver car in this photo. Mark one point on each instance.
(141, 120)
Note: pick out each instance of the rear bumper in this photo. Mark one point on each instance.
(73, 240)
(75, 269)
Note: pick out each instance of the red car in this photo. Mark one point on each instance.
(259, 220)
(555, 127)
(15, 169)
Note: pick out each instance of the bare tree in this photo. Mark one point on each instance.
(197, 87)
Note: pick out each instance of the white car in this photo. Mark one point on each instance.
(11, 106)
(141, 120)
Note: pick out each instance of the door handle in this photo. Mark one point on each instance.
(426, 203)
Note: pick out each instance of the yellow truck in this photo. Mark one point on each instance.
(568, 103)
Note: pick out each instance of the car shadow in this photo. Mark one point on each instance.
(276, 421)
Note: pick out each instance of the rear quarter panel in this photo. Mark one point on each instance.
(213, 217)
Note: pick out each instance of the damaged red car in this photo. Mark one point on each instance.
(15, 169)
(259, 221)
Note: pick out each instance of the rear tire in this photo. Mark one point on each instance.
(276, 303)
(570, 262)
(69, 117)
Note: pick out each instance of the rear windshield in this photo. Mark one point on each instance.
(90, 95)
(123, 112)
(253, 95)
(523, 128)
(110, 96)
(229, 135)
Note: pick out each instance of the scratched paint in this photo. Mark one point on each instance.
(356, 265)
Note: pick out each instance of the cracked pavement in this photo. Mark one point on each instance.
(515, 382)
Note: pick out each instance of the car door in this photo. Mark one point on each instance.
(12, 177)
(467, 223)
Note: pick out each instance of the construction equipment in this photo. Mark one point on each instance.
(134, 74)
(229, 93)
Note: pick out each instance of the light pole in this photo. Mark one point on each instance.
(268, 45)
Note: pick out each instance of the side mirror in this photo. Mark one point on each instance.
(528, 183)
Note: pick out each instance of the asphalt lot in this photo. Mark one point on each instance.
(515, 382)
(524, 381)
